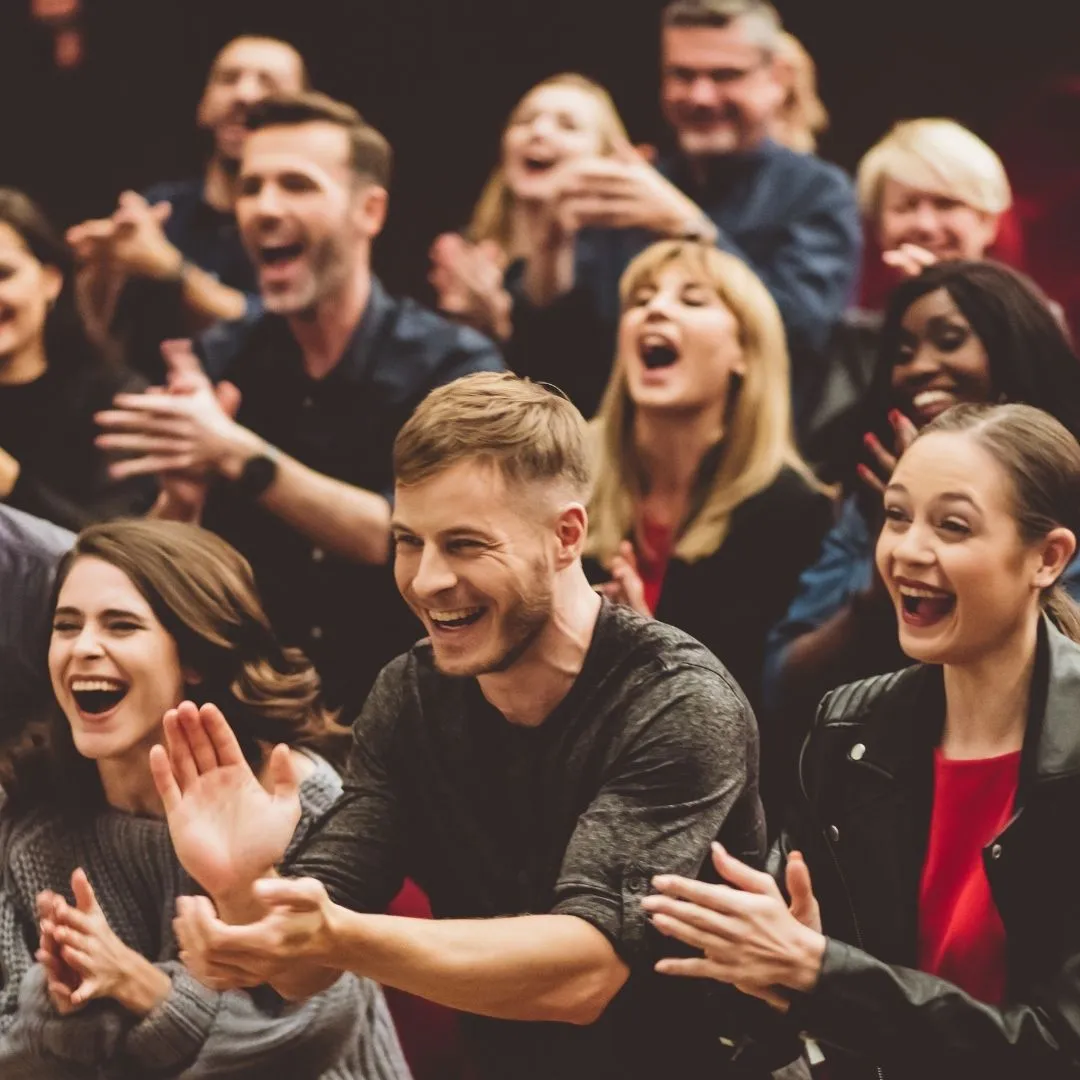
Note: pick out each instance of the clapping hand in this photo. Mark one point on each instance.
(626, 586)
(748, 935)
(227, 828)
(85, 960)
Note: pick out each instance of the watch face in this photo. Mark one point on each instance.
(258, 475)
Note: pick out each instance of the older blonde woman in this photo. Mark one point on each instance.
(703, 512)
(932, 190)
(562, 119)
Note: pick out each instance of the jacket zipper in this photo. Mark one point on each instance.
(839, 872)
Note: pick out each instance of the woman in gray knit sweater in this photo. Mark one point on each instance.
(150, 613)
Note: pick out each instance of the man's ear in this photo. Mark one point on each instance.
(370, 208)
(572, 528)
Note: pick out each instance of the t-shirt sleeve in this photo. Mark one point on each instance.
(356, 848)
(689, 757)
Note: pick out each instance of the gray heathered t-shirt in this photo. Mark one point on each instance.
(652, 754)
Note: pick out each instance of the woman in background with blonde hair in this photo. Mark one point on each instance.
(802, 117)
(931, 190)
(703, 511)
(563, 118)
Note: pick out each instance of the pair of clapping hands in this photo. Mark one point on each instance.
(229, 830)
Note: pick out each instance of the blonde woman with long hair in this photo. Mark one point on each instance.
(703, 511)
(562, 119)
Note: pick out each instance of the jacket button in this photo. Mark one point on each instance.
(857, 751)
(995, 852)
(834, 833)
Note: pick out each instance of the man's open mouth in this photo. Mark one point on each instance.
(457, 619)
(279, 254)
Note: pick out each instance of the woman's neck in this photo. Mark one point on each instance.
(129, 785)
(986, 702)
(671, 447)
(530, 222)
(24, 366)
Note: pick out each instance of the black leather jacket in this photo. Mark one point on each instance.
(867, 778)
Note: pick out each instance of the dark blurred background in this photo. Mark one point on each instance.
(439, 76)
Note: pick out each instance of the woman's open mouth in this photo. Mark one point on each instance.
(98, 697)
(922, 607)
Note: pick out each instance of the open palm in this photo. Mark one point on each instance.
(227, 829)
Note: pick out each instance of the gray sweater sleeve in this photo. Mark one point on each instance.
(200, 1034)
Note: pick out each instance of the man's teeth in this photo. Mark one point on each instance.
(105, 685)
(453, 616)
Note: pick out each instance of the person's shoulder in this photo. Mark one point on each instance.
(655, 657)
(808, 168)
(31, 536)
(440, 337)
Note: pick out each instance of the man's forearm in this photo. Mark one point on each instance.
(337, 516)
(207, 300)
(530, 967)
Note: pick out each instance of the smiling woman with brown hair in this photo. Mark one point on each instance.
(147, 613)
(932, 927)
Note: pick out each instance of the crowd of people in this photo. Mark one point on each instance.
(661, 659)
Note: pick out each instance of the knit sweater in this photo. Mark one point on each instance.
(344, 1033)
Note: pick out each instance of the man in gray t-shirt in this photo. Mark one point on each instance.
(532, 764)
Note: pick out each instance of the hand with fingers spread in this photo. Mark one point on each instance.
(884, 461)
(188, 430)
(626, 586)
(468, 279)
(748, 935)
(83, 945)
(139, 246)
(623, 191)
(227, 828)
(297, 926)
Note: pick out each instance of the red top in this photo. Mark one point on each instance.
(652, 565)
(961, 936)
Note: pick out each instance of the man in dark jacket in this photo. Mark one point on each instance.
(790, 216)
(29, 552)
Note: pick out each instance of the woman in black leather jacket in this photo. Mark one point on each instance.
(938, 801)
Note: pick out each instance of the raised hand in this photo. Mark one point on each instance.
(910, 259)
(227, 828)
(188, 430)
(626, 586)
(884, 461)
(468, 279)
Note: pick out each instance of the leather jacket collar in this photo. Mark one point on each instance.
(899, 727)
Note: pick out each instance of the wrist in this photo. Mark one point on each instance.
(808, 958)
(169, 265)
(145, 988)
(237, 449)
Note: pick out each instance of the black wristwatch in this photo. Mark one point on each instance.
(258, 473)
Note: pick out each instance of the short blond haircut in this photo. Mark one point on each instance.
(939, 156)
(491, 218)
(529, 431)
(758, 440)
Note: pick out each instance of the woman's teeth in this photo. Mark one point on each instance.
(928, 398)
(96, 696)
